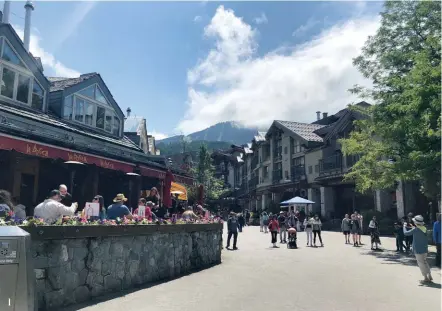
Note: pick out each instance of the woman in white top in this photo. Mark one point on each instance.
(308, 230)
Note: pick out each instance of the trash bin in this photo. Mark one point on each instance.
(16, 270)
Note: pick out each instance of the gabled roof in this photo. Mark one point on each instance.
(303, 130)
(132, 123)
(260, 136)
(59, 83)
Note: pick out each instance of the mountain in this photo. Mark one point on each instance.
(231, 132)
(218, 136)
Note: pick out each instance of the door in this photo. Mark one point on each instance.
(27, 185)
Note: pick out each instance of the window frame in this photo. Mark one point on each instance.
(19, 70)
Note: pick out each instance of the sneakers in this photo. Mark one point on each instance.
(235, 248)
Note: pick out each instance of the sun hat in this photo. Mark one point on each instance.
(120, 198)
(418, 220)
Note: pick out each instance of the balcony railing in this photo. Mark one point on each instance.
(298, 173)
(277, 176)
(351, 160)
(330, 165)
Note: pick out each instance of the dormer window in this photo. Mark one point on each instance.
(18, 83)
(90, 107)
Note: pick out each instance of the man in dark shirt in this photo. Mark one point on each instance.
(118, 209)
(282, 227)
(66, 197)
(232, 229)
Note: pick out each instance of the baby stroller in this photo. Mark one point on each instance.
(292, 239)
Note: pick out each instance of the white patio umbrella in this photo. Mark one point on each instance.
(297, 200)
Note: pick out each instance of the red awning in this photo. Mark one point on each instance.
(53, 152)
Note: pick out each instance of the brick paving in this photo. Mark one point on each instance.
(337, 277)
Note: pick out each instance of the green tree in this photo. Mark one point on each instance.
(400, 138)
(204, 173)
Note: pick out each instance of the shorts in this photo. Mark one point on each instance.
(346, 232)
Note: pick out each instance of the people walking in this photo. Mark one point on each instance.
(265, 221)
(232, 230)
(241, 221)
(360, 218)
(374, 233)
(354, 229)
(345, 227)
(247, 217)
(420, 246)
(316, 225)
(274, 229)
(437, 238)
(261, 223)
(308, 230)
(282, 228)
(410, 225)
(399, 234)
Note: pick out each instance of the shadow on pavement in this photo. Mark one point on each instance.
(431, 285)
(122, 293)
(392, 257)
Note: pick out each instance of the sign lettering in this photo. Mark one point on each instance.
(77, 157)
(106, 164)
(34, 150)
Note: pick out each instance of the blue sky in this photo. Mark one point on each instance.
(187, 65)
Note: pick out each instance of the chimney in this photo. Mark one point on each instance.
(29, 7)
(324, 115)
(318, 115)
(6, 12)
(128, 111)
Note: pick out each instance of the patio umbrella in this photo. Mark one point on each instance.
(167, 200)
(297, 200)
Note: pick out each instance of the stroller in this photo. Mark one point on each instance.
(292, 239)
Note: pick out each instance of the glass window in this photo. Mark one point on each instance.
(68, 107)
(99, 122)
(10, 56)
(116, 129)
(79, 110)
(8, 83)
(38, 96)
(89, 92)
(310, 169)
(99, 96)
(89, 113)
(23, 88)
(108, 122)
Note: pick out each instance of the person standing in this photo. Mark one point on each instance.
(420, 246)
(316, 225)
(261, 223)
(265, 221)
(308, 230)
(399, 234)
(360, 218)
(374, 233)
(354, 229)
(282, 228)
(274, 228)
(247, 217)
(232, 230)
(437, 238)
(52, 209)
(241, 221)
(410, 225)
(66, 197)
(345, 227)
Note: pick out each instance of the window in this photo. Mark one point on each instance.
(108, 122)
(298, 161)
(68, 108)
(10, 56)
(316, 168)
(99, 96)
(23, 88)
(116, 129)
(285, 150)
(310, 169)
(88, 113)
(8, 79)
(79, 110)
(99, 122)
(88, 92)
(37, 96)
(286, 173)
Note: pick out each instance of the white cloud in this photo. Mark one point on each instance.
(197, 19)
(261, 19)
(303, 29)
(232, 83)
(48, 60)
(158, 136)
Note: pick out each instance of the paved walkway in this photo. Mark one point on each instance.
(337, 277)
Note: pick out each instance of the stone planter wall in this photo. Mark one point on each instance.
(75, 264)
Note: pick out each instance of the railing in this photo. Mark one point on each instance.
(298, 173)
(330, 165)
(351, 160)
(277, 176)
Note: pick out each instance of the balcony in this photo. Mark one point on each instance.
(351, 160)
(298, 173)
(330, 165)
(277, 176)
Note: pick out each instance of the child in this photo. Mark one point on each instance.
(274, 228)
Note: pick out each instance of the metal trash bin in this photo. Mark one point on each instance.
(17, 277)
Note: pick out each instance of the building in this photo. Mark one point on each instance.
(65, 130)
(306, 160)
(135, 129)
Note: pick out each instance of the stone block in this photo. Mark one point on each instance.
(111, 283)
(81, 294)
(54, 299)
(78, 265)
(40, 273)
(116, 250)
(80, 253)
(82, 276)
